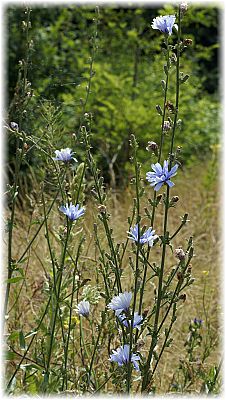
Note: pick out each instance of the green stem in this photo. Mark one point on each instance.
(29, 346)
(145, 381)
(137, 177)
(46, 377)
(70, 317)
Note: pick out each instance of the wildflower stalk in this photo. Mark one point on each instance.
(137, 184)
(165, 239)
(70, 317)
(19, 156)
(94, 351)
(159, 160)
(101, 200)
(46, 376)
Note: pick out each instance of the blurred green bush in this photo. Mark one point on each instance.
(127, 83)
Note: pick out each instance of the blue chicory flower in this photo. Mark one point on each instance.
(64, 155)
(164, 23)
(72, 212)
(137, 320)
(83, 308)
(147, 237)
(161, 175)
(198, 321)
(121, 356)
(121, 302)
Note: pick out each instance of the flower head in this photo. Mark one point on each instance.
(64, 155)
(137, 320)
(83, 308)
(121, 356)
(198, 321)
(161, 175)
(14, 126)
(72, 212)
(147, 237)
(121, 302)
(164, 23)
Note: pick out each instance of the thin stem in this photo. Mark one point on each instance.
(146, 380)
(46, 377)
(29, 346)
(137, 182)
(70, 316)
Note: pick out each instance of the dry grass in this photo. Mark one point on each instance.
(201, 203)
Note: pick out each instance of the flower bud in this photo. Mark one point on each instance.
(183, 297)
(14, 126)
(174, 199)
(180, 276)
(102, 208)
(158, 109)
(179, 253)
(183, 7)
(189, 269)
(26, 147)
(187, 42)
(152, 146)
(173, 59)
(166, 126)
(158, 198)
(170, 107)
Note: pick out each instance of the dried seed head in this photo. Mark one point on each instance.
(179, 253)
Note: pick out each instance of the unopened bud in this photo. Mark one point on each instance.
(102, 208)
(26, 147)
(152, 146)
(180, 276)
(183, 7)
(178, 150)
(14, 126)
(189, 268)
(179, 253)
(166, 126)
(159, 110)
(170, 107)
(173, 58)
(140, 344)
(183, 297)
(158, 198)
(187, 42)
(174, 199)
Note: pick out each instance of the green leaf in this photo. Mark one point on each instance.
(22, 341)
(14, 280)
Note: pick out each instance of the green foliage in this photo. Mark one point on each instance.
(126, 70)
